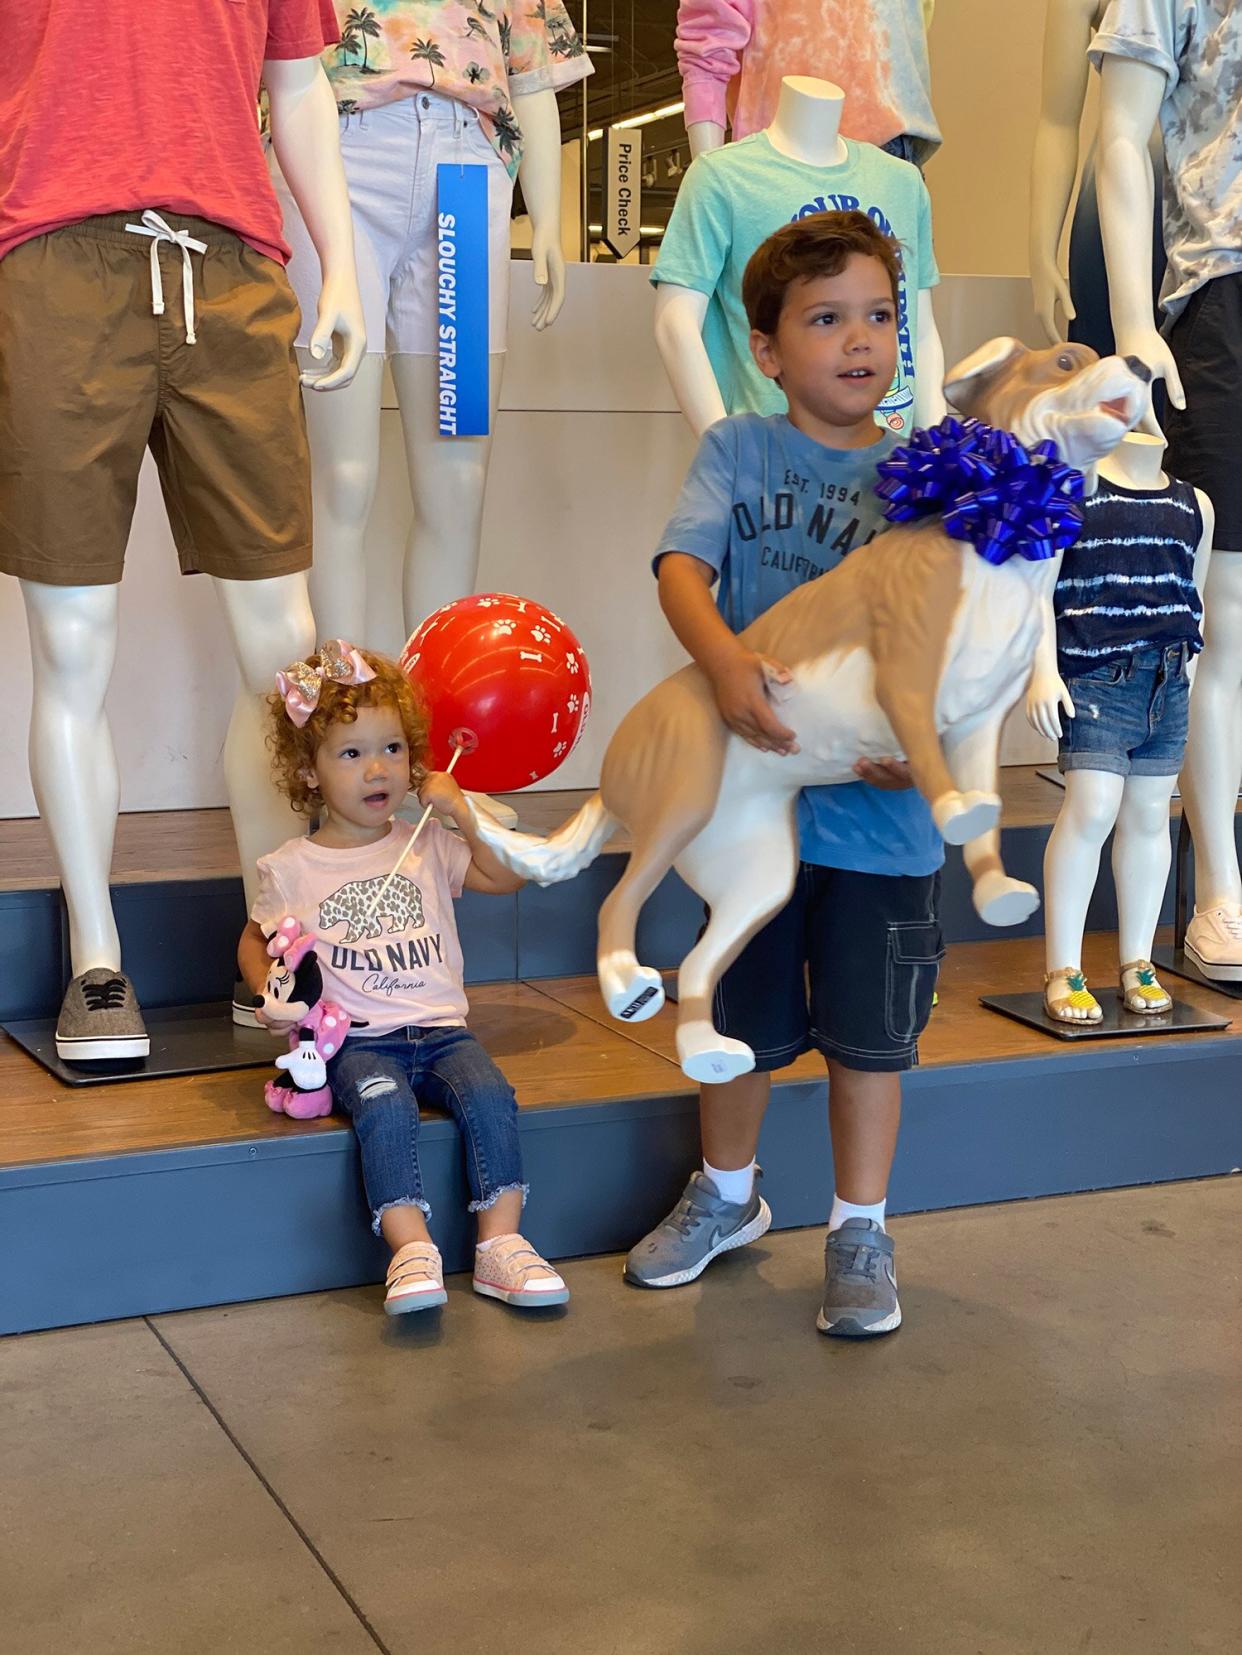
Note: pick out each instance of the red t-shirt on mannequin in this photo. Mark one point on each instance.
(131, 104)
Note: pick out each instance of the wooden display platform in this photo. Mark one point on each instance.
(553, 1039)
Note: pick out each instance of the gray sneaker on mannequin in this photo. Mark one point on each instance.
(860, 1285)
(99, 1019)
(700, 1227)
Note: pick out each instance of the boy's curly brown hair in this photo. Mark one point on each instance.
(294, 749)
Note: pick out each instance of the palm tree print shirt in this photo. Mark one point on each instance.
(481, 52)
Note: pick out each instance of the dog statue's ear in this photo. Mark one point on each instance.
(964, 383)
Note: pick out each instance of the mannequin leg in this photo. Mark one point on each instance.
(1213, 766)
(344, 431)
(271, 625)
(72, 761)
(448, 479)
(1141, 855)
(1072, 864)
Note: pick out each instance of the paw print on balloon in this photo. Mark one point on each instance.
(571, 662)
(559, 750)
(487, 603)
(504, 626)
(541, 635)
(574, 703)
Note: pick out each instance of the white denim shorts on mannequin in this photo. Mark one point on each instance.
(390, 157)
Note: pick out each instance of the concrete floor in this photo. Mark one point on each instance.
(1046, 1460)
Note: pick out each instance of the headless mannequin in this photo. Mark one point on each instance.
(448, 475)
(1097, 800)
(73, 629)
(1131, 96)
(807, 128)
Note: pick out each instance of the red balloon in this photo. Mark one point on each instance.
(505, 678)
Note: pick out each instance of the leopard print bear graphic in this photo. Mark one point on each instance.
(351, 906)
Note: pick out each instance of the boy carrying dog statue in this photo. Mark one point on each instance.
(840, 722)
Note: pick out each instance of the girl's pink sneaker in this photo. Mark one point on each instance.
(415, 1279)
(511, 1270)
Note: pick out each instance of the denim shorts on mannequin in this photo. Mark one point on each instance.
(1130, 716)
(390, 156)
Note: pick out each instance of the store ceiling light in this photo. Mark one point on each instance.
(640, 120)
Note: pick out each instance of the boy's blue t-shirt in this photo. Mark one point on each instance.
(769, 508)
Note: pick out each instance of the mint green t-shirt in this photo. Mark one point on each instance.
(733, 198)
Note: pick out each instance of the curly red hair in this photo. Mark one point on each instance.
(294, 748)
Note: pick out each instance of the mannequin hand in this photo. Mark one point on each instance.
(1150, 347)
(549, 262)
(340, 317)
(441, 792)
(889, 775)
(745, 686)
(1049, 289)
(1046, 695)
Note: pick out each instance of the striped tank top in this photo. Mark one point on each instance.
(1127, 583)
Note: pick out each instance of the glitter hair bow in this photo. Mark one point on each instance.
(300, 684)
(990, 490)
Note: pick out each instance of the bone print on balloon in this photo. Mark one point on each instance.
(402, 907)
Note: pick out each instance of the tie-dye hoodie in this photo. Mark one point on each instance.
(733, 55)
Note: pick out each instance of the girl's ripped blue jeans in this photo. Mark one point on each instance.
(380, 1082)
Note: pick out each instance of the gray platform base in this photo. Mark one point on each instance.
(185, 1040)
(1180, 964)
(1116, 1022)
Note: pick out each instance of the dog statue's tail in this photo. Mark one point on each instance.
(574, 845)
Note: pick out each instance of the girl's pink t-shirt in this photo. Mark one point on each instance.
(401, 964)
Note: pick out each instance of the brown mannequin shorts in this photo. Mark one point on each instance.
(90, 379)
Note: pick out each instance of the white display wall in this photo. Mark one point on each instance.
(588, 457)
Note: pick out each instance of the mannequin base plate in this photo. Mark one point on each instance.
(1170, 958)
(185, 1040)
(1117, 1022)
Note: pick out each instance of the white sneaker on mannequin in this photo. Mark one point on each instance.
(1214, 942)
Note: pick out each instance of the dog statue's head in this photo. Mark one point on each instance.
(1065, 394)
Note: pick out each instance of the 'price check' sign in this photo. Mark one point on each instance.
(623, 189)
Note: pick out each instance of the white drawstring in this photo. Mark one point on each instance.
(154, 226)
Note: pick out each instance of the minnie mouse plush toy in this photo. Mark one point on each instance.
(292, 998)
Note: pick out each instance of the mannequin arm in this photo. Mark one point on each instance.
(1054, 163)
(540, 172)
(679, 339)
(929, 404)
(1130, 97)
(306, 139)
(1046, 694)
(704, 135)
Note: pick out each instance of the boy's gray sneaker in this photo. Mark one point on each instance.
(860, 1286)
(99, 1019)
(700, 1227)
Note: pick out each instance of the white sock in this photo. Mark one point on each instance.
(841, 1210)
(736, 1187)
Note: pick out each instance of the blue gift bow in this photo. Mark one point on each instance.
(987, 487)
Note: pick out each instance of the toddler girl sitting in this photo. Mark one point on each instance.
(349, 740)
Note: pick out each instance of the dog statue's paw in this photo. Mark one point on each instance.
(1000, 900)
(712, 1058)
(632, 996)
(962, 817)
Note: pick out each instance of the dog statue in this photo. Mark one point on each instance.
(914, 645)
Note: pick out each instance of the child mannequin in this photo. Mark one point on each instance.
(349, 739)
(1128, 603)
